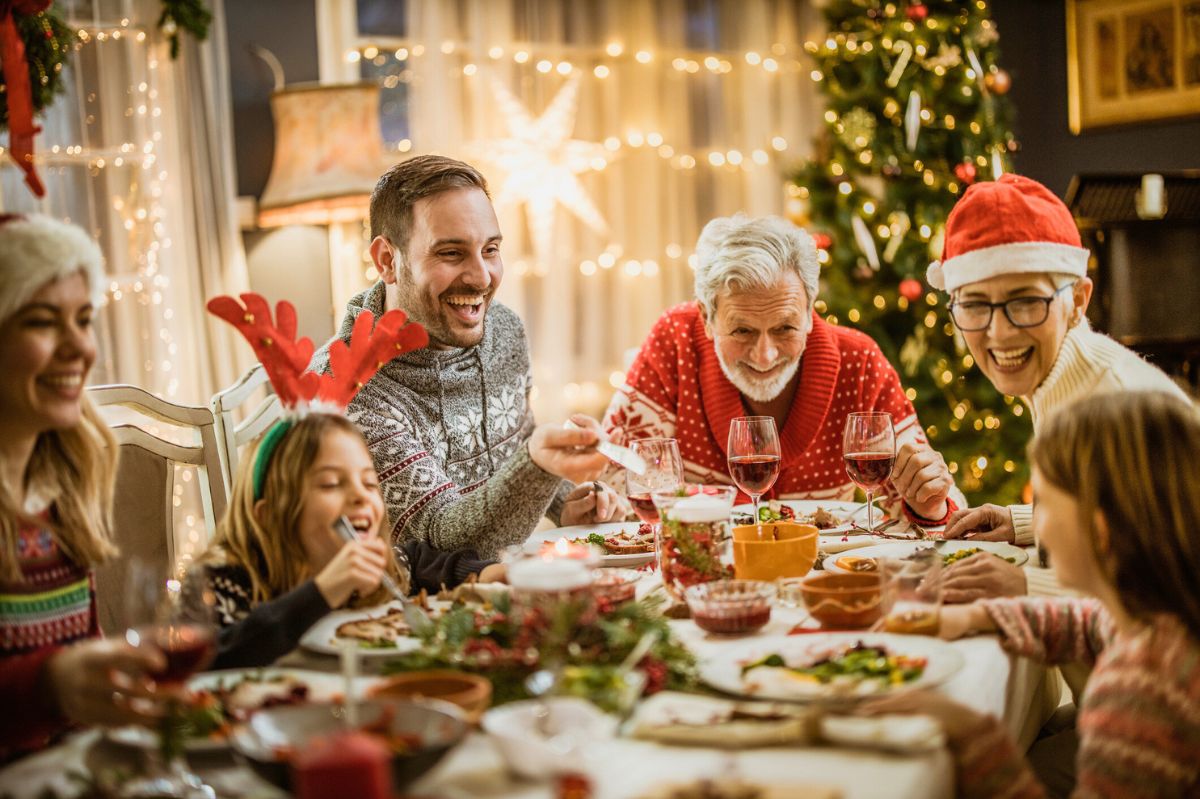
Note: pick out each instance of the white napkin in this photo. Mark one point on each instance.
(840, 543)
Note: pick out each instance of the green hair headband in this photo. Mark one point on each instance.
(266, 450)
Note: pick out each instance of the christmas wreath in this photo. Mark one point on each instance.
(584, 644)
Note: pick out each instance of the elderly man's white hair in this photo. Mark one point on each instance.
(740, 253)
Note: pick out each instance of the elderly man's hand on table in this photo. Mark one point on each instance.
(922, 479)
(593, 503)
(982, 576)
(985, 523)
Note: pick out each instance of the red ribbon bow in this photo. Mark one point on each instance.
(21, 129)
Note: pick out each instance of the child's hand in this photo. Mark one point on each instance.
(358, 566)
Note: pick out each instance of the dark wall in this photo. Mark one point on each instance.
(1033, 47)
(288, 28)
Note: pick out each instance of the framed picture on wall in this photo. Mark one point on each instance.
(1131, 61)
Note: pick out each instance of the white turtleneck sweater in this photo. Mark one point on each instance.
(1088, 363)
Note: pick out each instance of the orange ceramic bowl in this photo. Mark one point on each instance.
(469, 691)
(783, 549)
(843, 601)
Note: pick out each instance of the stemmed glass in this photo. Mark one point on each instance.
(754, 457)
(182, 628)
(664, 472)
(869, 448)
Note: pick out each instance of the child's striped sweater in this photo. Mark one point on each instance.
(1139, 720)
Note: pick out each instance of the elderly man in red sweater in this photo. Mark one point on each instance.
(751, 345)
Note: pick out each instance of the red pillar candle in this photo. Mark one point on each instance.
(342, 765)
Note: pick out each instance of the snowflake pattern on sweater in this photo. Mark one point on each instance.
(676, 389)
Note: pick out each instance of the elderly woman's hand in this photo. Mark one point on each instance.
(982, 576)
(922, 479)
(985, 523)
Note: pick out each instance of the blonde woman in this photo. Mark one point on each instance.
(57, 460)
(1118, 488)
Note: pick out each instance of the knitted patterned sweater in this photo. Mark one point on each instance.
(1139, 721)
(447, 430)
(52, 605)
(675, 388)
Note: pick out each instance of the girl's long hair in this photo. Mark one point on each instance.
(267, 545)
(1135, 458)
(74, 469)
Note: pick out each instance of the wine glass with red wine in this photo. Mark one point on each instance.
(869, 448)
(754, 456)
(178, 623)
(664, 472)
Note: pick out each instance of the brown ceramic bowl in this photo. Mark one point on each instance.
(843, 601)
(470, 692)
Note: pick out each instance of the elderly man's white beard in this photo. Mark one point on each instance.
(762, 389)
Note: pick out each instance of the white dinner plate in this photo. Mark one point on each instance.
(322, 687)
(724, 672)
(321, 636)
(850, 511)
(534, 544)
(901, 549)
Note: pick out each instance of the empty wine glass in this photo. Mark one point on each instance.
(180, 625)
(754, 457)
(664, 471)
(869, 449)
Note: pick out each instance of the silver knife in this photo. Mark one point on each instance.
(622, 456)
(416, 618)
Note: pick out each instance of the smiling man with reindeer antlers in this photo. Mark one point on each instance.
(461, 461)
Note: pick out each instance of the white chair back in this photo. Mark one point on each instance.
(232, 434)
(143, 510)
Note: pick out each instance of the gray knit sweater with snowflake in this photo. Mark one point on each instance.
(447, 430)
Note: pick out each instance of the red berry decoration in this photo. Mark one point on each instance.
(910, 289)
(822, 241)
(966, 172)
(918, 12)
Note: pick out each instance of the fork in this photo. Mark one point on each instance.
(416, 618)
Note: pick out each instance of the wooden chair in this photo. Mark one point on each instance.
(143, 512)
(232, 435)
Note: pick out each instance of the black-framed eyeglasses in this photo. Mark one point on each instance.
(974, 315)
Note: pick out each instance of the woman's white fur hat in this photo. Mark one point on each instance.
(36, 249)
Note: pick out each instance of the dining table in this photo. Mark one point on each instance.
(990, 681)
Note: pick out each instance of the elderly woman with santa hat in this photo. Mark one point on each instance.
(1016, 273)
(57, 459)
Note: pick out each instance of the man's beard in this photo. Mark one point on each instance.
(758, 390)
(431, 314)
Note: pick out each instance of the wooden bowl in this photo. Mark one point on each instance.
(470, 692)
(784, 549)
(843, 601)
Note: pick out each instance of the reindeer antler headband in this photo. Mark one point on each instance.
(285, 359)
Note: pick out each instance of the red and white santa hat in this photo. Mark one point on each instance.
(1013, 225)
(36, 249)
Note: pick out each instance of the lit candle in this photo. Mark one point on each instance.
(700, 509)
(554, 574)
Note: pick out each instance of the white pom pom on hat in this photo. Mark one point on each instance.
(1013, 225)
(36, 249)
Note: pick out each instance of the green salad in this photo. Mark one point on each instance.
(858, 662)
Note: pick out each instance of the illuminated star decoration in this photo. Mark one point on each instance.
(541, 163)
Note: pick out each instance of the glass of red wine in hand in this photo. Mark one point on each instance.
(178, 623)
(664, 472)
(869, 448)
(754, 457)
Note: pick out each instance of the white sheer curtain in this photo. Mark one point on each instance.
(667, 89)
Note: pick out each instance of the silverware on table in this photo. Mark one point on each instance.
(622, 456)
(416, 618)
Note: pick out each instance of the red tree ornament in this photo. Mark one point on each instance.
(822, 241)
(910, 289)
(966, 172)
(917, 12)
(999, 81)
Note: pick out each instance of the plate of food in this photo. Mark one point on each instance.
(832, 667)
(626, 544)
(830, 517)
(952, 551)
(378, 632)
(217, 701)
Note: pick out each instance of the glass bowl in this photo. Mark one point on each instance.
(730, 607)
(615, 586)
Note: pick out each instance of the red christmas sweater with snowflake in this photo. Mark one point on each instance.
(53, 604)
(676, 389)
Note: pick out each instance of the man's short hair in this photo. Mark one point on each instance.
(404, 184)
(740, 253)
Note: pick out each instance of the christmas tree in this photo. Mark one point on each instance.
(916, 113)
